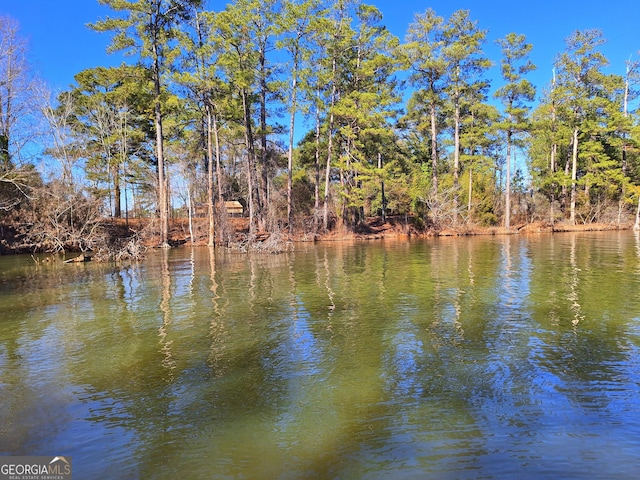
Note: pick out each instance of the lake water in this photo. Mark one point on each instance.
(485, 357)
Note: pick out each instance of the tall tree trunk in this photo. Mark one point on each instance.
(126, 196)
(210, 210)
(507, 199)
(574, 171)
(554, 154)
(117, 201)
(162, 183)
(567, 171)
(625, 111)
(383, 198)
(190, 213)
(216, 140)
(252, 183)
(456, 161)
(163, 199)
(123, 156)
(316, 207)
(470, 192)
(292, 122)
(329, 148)
(434, 149)
(552, 167)
(621, 206)
(263, 198)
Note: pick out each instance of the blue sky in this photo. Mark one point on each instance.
(61, 45)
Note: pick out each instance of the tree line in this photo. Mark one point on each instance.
(314, 116)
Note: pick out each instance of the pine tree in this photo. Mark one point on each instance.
(365, 108)
(466, 65)
(582, 95)
(202, 76)
(515, 94)
(148, 29)
(333, 39)
(423, 51)
(239, 61)
(108, 116)
(297, 24)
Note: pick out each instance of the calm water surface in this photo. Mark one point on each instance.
(490, 357)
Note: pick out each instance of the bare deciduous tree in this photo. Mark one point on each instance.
(19, 96)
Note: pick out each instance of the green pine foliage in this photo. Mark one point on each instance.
(311, 113)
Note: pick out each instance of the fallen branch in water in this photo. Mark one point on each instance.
(274, 242)
(85, 257)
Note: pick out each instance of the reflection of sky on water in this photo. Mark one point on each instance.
(405, 356)
(132, 285)
(299, 353)
(514, 277)
(295, 364)
(447, 369)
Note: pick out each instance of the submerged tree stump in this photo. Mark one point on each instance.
(85, 257)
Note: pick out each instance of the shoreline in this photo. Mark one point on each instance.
(119, 232)
(400, 232)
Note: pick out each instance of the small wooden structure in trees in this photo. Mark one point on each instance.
(234, 208)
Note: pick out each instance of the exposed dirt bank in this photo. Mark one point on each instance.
(144, 232)
(375, 228)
